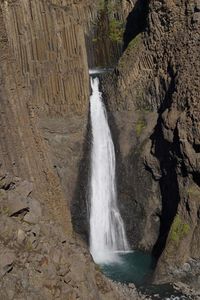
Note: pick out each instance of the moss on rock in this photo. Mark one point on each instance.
(108, 13)
(135, 42)
(140, 125)
(116, 30)
(179, 230)
(194, 192)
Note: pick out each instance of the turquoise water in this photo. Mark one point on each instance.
(137, 267)
(133, 267)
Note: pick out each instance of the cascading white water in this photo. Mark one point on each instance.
(107, 233)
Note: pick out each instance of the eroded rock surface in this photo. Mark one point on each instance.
(39, 261)
(153, 98)
(153, 103)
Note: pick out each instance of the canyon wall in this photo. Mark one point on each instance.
(153, 101)
(104, 37)
(153, 106)
(44, 85)
(44, 90)
(44, 98)
(46, 44)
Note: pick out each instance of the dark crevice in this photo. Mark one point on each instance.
(165, 153)
(187, 206)
(79, 204)
(166, 103)
(198, 214)
(196, 148)
(8, 186)
(10, 268)
(196, 178)
(136, 21)
(21, 212)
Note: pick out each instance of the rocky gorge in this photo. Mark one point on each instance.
(152, 99)
(163, 140)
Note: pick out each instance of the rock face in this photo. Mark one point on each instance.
(38, 260)
(154, 103)
(152, 99)
(104, 37)
(36, 63)
(44, 42)
(44, 103)
(44, 89)
(44, 96)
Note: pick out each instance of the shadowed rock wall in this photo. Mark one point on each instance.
(104, 36)
(154, 103)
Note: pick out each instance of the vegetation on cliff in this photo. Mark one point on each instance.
(179, 230)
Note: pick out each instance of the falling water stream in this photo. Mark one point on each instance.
(107, 233)
(108, 243)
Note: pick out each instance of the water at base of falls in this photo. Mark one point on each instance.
(107, 233)
(137, 267)
(108, 243)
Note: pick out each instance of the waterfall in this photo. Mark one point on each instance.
(107, 233)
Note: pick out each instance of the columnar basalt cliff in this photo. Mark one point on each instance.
(44, 79)
(44, 68)
(154, 103)
(44, 89)
(104, 36)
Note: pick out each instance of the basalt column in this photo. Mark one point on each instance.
(154, 104)
(44, 97)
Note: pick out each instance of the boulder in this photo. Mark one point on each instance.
(7, 258)
(34, 213)
(17, 202)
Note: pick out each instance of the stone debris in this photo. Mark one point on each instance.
(38, 261)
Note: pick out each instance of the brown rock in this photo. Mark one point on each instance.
(7, 258)
(160, 71)
(21, 236)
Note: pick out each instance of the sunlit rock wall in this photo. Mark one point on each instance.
(44, 85)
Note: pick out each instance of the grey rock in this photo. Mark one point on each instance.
(17, 202)
(196, 17)
(35, 212)
(10, 294)
(197, 5)
(186, 267)
(21, 236)
(7, 258)
(17, 206)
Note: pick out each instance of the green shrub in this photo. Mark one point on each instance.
(140, 125)
(194, 191)
(134, 42)
(101, 5)
(116, 30)
(178, 230)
